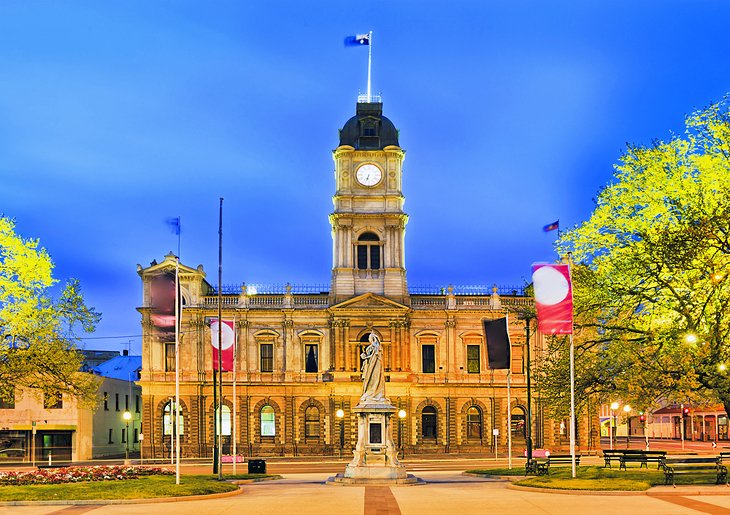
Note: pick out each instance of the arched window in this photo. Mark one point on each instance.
(168, 418)
(519, 429)
(474, 423)
(311, 423)
(225, 427)
(368, 251)
(428, 423)
(268, 421)
(364, 342)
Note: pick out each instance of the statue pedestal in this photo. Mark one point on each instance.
(376, 457)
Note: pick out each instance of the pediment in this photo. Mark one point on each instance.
(168, 265)
(370, 301)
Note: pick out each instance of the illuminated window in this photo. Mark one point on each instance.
(225, 427)
(168, 418)
(268, 421)
(472, 359)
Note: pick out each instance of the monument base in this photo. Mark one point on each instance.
(407, 480)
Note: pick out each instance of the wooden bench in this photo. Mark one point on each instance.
(543, 467)
(674, 466)
(611, 455)
(657, 457)
(632, 456)
(724, 456)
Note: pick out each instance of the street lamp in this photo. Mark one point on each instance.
(341, 415)
(401, 416)
(127, 416)
(614, 407)
(627, 409)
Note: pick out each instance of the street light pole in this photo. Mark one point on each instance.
(614, 407)
(401, 416)
(627, 410)
(340, 415)
(528, 440)
(127, 416)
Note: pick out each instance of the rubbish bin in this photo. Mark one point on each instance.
(257, 466)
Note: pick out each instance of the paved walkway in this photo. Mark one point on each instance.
(445, 492)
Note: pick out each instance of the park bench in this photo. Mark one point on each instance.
(657, 457)
(724, 456)
(611, 455)
(674, 466)
(543, 467)
(632, 456)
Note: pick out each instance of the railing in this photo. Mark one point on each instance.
(226, 301)
(311, 300)
(476, 289)
(428, 302)
(266, 300)
(272, 289)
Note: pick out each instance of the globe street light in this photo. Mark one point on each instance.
(341, 415)
(401, 416)
(127, 416)
(614, 407)
(627, 409)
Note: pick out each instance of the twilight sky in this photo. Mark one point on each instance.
(116, 115)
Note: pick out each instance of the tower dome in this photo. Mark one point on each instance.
(369, 129)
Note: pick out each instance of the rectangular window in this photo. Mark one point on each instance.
(106, 401)
(169, 357)
(268, 424)
(362, 257)
(8, 403)
(375, 257)
(136, 403)
(311, 358)
(116, 401)
(126, 403)
(136, 435)
(111, 435)
(267, 357)
(124, 436)
(472, 359)
(428, 355)
(53, 401)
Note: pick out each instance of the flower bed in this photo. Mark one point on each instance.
(78, 474)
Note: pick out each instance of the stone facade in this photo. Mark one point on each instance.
(298, 352)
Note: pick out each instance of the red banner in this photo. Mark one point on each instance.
(553, 298)
(228, 341)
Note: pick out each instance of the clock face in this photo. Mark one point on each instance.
(369, 175)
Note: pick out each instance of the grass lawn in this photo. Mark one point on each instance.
(142, 488)
(599, 478)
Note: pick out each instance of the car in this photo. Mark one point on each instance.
(12, 453)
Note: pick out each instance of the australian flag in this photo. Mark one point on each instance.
(357, 40)
(551, 227)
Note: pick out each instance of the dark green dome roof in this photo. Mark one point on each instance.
(369, 129)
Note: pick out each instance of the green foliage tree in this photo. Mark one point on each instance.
(37, 332)
(651, 285)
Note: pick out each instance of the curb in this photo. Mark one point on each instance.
(101, 502)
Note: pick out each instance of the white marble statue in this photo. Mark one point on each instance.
(373, 373)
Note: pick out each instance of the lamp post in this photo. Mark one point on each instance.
(340, 414)
(401, 416)
(127, 416)
(627, 410)
(614, 407)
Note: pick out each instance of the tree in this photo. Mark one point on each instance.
(37, 332)
(651, 285)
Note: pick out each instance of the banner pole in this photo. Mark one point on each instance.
(234, 434)
(177, 371)
(220, 337)
(509, 420)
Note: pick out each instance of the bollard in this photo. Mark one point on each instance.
(50, 460)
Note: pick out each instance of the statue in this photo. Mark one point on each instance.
(373, 373)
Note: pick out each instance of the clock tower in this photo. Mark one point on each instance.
(368, 222)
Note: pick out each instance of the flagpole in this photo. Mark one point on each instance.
(235, 432)
(509, 420)
(572, 384)
(220, 337)
(177, 370)
(370, 60)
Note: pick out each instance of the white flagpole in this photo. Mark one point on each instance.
(235, 433)
(177, 371)
(509, 420)
(370, 60)
(572, 405)
(572, 381)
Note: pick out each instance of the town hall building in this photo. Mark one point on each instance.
(298, 352)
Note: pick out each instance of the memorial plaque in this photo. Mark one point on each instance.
(376, 432)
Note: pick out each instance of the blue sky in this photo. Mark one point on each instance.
(117, 115)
